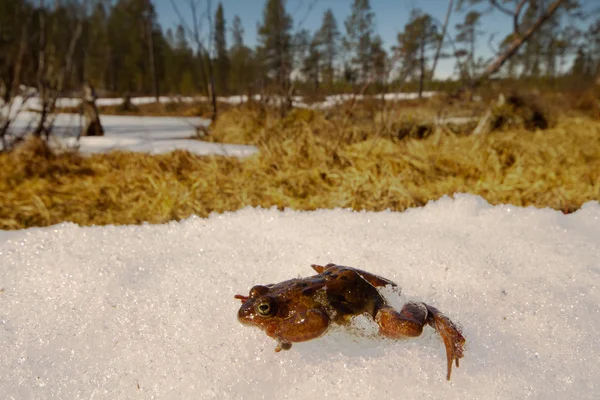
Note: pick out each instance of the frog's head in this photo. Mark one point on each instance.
(281, 317)
(259, 308)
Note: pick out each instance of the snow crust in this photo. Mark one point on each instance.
(148, 311)
(138, 134)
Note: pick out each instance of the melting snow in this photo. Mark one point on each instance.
(139, 134)
(148, 311)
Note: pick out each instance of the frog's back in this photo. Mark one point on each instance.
(348, 294)
(339, 291)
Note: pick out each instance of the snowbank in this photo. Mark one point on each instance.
(148, 311)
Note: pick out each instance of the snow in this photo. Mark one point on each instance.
(139, 134)
(337, 99)
(122, 126)
(33, 102)
(148, 311)
(91, 145)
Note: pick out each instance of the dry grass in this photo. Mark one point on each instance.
(307, 160)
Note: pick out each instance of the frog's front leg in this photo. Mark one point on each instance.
(409, 322)
(281, 345)
(302, 326)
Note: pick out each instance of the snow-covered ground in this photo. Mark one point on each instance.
(33, 102)
(334, 100)
(139, 134)
(148, 311)
(153, 134)
(121, 126)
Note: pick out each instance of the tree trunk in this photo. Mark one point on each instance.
(153, 63)
(211, 88)
(438, 51)
(42, 86)
(93, 127)
(422, 68)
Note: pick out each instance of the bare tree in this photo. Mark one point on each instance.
(51, 82)
(194, 34)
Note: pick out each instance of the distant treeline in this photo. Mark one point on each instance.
(119, 47)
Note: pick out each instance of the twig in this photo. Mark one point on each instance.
(501, 8)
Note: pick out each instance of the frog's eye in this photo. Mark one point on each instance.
(264, 308)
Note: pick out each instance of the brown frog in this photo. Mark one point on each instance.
(298, 310)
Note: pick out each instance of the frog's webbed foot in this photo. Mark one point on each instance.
(409, 322)
(451, 335)
(282, 346)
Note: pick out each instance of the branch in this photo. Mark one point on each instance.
(517, 16)
(501, 8)
(517, 43)
(192, 33)
(311, 5)
(63, 75)
(491, 45)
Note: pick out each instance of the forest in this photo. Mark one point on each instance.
(120, 48)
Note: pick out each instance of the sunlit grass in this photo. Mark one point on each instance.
(308, 160)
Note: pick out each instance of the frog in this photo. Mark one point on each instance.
(302, 309)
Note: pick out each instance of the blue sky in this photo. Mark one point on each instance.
(390, 18)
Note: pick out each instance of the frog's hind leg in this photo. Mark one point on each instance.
(409, 322)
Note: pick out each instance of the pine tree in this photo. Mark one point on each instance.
(222, 57)
(531, 54)
(98, 48)
(327, 40)
(593, 39)
(311, 67)
(380, 62)
(415, 44)
(467, 33)
(275, 43)
(187, 79)
(242, 71)
(130, 26)
(237, 32)
(300, 45)
(581, 67)
(359, 32)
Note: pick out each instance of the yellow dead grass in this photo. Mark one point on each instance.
(307, 161)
